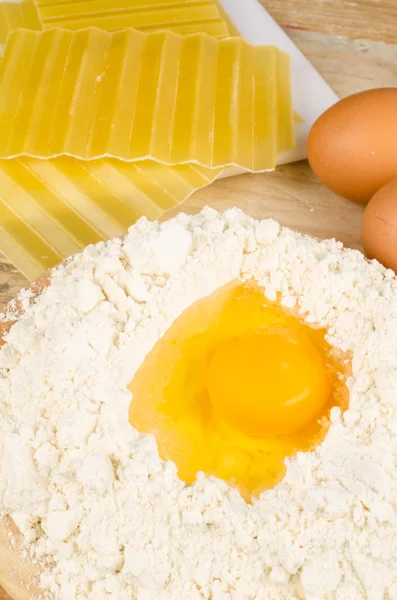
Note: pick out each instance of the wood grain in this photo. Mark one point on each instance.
(366, 19)
(292, 195)
(4, 595)
(17, 574)
(11, 281)
(349, 66)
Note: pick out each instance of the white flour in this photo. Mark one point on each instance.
(91, 493)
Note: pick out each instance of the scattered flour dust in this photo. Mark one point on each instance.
(91, 494)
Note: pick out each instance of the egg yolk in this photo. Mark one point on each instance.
(236, 385)
(269, 382)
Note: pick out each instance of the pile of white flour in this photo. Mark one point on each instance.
(90, 492)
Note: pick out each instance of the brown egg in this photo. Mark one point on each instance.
(352, 147)
(379, 227)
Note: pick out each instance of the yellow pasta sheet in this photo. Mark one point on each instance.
(135, 96)
(182, 16)
(52, 209)
(18, 14)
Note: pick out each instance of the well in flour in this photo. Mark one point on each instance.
(236, 385)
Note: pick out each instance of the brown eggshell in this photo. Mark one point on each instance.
(352, 147)
(379, 227)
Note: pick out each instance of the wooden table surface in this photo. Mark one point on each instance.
(354, 46)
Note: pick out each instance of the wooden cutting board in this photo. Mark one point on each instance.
(291, 194)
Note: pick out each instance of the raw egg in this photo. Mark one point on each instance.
(269, 381)
(235, 386)
(352, 147)
(379, 227)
